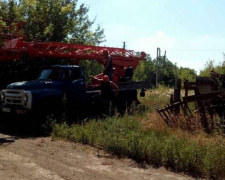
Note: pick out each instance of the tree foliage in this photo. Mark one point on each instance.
(210, 65)
(54, 20)
(166, 72)
(91, 68)
(186, 74)
(147, 71)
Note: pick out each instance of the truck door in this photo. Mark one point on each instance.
(75, 86)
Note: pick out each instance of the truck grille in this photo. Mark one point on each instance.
(14, 97)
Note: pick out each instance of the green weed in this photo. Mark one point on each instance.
(144, 137)
(126, 137)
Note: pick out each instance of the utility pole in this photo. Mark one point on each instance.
(157, 67)
(124, 45)
(159, 72)
(163, 66)
(165, 56)
(176, 79)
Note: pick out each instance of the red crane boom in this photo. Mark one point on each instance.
(13, 46)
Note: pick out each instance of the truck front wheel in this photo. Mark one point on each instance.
(44, 114)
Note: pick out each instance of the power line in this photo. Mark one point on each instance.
(174, 49)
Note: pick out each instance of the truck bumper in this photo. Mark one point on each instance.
(14, 110)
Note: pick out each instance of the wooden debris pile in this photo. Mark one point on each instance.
(207, 102)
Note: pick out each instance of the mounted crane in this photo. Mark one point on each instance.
(13, 47)
(47, 93)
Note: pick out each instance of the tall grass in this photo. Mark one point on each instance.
(156, 98)
(126, 137)
(146, 138)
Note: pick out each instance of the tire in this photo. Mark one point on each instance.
(43, 115)
(125, 100)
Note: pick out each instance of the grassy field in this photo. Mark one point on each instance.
(144, 137)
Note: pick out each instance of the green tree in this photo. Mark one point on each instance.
(9, 10)
(166, 75)
(54, 20)
(91, 68)
(4, 10)
(211, 66)
(59, 21)
(145, 71)
(185, 73)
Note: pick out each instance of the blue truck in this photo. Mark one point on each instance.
(47, 95)
(60, 88)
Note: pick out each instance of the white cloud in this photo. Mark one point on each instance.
(186, 51)
(205, 37)
(150, 44)
(118, 33)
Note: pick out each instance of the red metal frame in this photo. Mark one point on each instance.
(13, 46)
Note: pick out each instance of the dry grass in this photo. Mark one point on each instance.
(183, 146)
(194, 122)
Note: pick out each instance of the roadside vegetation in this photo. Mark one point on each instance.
(142, 136)
(145, 138)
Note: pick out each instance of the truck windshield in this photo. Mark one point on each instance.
(50, 74)
(45, 74)
(57, 74)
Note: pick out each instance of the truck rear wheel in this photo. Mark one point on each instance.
(125, 101)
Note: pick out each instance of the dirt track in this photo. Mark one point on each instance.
(44, 158)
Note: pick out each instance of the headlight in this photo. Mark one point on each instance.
(2, 97)
(25, 98)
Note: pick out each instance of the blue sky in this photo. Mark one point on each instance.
(191, 31)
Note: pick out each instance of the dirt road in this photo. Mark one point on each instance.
(43, 159)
